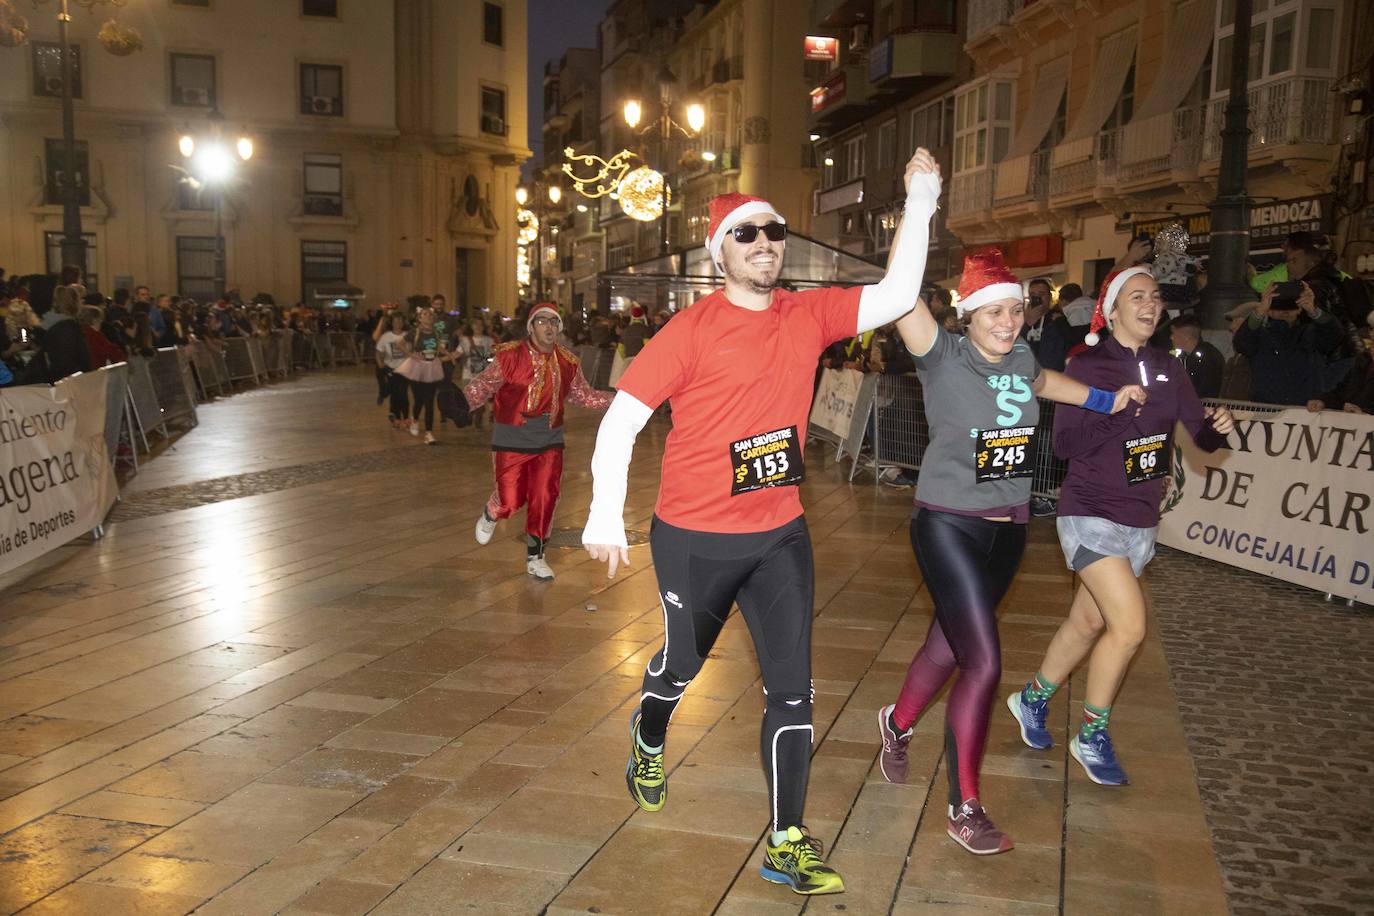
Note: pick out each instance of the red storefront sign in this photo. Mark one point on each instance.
(1037, 251)
(828, 93)
(818, 47)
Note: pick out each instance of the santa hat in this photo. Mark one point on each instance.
(637, 313)
(727, 212)
(1106, 301)
(547, 309)
(985, 279)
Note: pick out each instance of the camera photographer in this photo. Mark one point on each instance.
(1287, 340)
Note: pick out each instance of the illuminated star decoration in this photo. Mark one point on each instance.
(608, 176)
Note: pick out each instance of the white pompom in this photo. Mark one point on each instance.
(1092, 339)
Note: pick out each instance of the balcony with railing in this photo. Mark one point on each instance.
(970, 194)
(1289, 112)
(986, 15)
(1166, 146)
(1024, 180)
(731, 68)
(1074, 174)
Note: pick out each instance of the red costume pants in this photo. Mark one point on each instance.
(523, 479)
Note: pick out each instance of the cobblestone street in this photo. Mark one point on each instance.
(287, 680)
(1276, 686)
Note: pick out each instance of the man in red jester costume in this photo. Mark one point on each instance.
(528, 383)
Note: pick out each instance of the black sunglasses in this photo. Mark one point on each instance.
(773, 231)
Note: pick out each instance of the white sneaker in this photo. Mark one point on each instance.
(430, 440)
(414, 429)
(485, 528)
(539, 568)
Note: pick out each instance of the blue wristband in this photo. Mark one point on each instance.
(1099, 401)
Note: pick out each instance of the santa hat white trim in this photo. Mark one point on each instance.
(736, 216)
(544, 310)
(990, 293)
(1109, 300)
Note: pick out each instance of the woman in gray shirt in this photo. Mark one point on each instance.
(969, 526)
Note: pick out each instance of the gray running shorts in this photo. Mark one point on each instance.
(1085, 538)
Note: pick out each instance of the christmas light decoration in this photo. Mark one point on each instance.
(608, 172)
(641, 194)
(527, 225)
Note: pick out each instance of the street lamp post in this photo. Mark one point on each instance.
(1230, 236)
(696, 120)
(118, 40)
(210, 164)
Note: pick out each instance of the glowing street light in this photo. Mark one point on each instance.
(632, 113)
(187, 145)
(696, 117)
(521, 196)
(555, 194)
(245, 148)
(708, 156)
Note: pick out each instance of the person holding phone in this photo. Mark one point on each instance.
(1287, 339)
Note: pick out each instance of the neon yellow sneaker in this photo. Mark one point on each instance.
(797, 862)
(644, 773)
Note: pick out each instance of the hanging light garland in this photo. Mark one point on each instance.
(641, 194)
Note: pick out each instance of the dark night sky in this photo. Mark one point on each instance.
(555, 26)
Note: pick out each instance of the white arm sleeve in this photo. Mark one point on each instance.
(896, 293)
(615, 440)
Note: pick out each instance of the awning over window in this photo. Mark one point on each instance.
(1045, 98)
(1185, 49)
(1114, 57)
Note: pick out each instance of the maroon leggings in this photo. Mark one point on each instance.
(968, 565)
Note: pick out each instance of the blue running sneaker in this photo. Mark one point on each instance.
(1098, 759)
(1031, 717)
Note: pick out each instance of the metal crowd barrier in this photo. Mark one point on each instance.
(304, 353)
(143, 397)
(324, 349)
(118, 417)
(596, 366)
(244, 359)
(170, 370)
(343, 347)
(276, 353)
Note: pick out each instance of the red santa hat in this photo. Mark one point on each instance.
(547, 309)
(1106, 301)
(985, 279)
(636, 312)
(727, 212)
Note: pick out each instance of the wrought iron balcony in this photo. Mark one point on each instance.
(1283, 113)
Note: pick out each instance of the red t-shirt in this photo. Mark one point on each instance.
(732, 374)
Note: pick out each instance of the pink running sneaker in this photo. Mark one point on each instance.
(893, 759)
(971, 828)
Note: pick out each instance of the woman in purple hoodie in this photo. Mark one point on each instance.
(1109, 511)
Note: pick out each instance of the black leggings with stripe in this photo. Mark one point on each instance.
(771, 575)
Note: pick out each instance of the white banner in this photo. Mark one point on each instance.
(56, 482)
(1293, 499)
(834, 404)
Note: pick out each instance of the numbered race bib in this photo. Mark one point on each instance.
(1003, 453)
(767, 460)
(1146, 458)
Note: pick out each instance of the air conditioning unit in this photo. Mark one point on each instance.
(52, 85)
(322, 104)
(194, 95)
(493, 125)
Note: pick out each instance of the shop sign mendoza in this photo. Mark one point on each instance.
(56, 481)
(1292, 498)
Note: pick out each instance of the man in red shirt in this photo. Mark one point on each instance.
(528, 382)
(728, 526)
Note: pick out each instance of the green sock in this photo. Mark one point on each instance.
(1094, 720)
(777, 837)
(1038, 689)
(645, 746)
